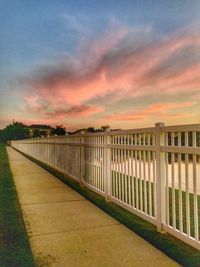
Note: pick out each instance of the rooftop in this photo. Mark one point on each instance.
(40, 126)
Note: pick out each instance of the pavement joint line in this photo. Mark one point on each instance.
(52, 202)
(35, 190)
(36, 173)
(46, 188)
(75, 230)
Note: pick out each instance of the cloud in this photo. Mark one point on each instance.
(34, 104)
(161, 109)
(75, 111)
(122, 63)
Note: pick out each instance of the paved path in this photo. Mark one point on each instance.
(67, 230)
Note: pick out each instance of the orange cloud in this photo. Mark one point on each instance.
(161, 109)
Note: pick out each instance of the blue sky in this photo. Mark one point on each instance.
(43, 41)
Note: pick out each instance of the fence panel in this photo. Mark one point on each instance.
(182, 198)
(133, 172)
(152, 172)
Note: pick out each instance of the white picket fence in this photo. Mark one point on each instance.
(152, 172)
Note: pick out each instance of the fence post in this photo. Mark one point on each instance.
(160, 177)
(107, 166)
(54, 159)
(82, 158)
(42, 148)
(65, 152)
(47, 149)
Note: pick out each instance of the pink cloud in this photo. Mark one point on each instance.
(33, 104)
(75, 111)
(112, 69)
(121, 64)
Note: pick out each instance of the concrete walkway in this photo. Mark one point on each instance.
(65, 229)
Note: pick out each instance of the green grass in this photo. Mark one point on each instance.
(184, 218)
(131, 191)
(14, 245)
(171, 246)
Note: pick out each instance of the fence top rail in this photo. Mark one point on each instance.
(134, 131)
(117, 132)
(173, 128)
(181, 128)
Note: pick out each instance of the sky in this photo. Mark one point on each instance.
(127, 64)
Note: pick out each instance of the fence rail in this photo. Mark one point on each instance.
(152, 172)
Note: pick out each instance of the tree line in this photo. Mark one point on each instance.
(19, 131)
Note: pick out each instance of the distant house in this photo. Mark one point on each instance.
(37, 130)
(79, 131)
(93, 130)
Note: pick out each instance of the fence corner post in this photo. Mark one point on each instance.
(82, 158)
(160, 177)
(107, 166)
(65, 158)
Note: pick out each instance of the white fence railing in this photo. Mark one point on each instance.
(152, 172)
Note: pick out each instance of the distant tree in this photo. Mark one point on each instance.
(43, 133)
(91, 129)
(59, 130)
(36, 133)
(1, 136)
(14, 131)
(104, 127)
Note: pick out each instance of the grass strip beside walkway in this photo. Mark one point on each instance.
(15, 250)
